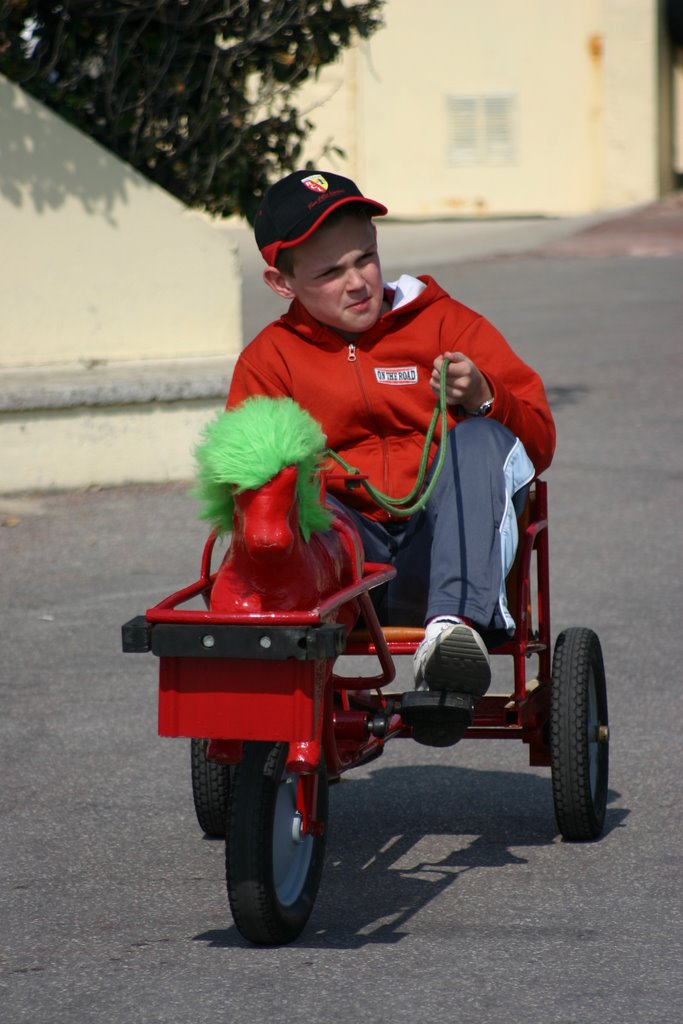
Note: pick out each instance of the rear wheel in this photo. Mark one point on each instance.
(272, 868)
(579, 735)
(210, 790)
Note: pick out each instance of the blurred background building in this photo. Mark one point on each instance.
(121, 308)
(508, 108)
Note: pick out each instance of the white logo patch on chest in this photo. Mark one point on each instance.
(396, 374)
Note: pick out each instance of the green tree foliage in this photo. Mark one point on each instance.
(198, 95)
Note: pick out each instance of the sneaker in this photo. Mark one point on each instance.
(452, 656)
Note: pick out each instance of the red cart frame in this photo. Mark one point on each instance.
(277, 724)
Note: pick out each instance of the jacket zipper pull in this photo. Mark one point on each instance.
(352, 352)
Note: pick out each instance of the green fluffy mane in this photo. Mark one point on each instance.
(247, 446)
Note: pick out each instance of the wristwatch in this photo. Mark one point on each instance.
(483, 410)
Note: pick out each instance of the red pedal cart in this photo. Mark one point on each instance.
(272, 726)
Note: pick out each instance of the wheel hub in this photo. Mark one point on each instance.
(297, 828)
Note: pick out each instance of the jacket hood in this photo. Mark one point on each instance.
(405, 295)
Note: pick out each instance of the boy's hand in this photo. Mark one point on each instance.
(465, 384)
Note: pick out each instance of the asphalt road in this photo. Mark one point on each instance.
(447, 893)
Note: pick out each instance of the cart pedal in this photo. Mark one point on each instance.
(437, 719)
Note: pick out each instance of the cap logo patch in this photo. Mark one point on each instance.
(315, 182)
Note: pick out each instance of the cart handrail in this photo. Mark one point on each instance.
(375, 574)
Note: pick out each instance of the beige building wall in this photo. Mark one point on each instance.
(99, 265)
(498, 108)
(631, 121)
(677, 109)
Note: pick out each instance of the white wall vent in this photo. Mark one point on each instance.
(481, 130)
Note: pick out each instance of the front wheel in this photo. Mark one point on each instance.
(273, 869)
(579, 735)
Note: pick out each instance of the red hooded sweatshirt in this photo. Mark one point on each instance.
(372, 397)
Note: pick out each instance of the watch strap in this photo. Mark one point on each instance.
(483, 410)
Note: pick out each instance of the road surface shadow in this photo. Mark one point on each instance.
(399, 837)
(563, 396)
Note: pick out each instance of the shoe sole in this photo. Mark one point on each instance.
(437, 719)
(458, 663)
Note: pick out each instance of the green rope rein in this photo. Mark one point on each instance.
(408, 505)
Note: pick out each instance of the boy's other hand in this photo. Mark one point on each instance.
(466, 385)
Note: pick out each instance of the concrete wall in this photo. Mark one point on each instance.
(120, 313)
(578, 84)
(97, 263)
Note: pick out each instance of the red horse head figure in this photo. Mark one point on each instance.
(266, 520)
(258, 472)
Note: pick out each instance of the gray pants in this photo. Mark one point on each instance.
(452, 556)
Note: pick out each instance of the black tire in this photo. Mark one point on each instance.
(210, 790)
(579, 735)
(272, 877)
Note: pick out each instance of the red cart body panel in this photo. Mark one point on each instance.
(240, 699)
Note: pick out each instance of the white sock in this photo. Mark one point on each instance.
(437, 625)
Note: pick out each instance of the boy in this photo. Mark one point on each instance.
(364, 358)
